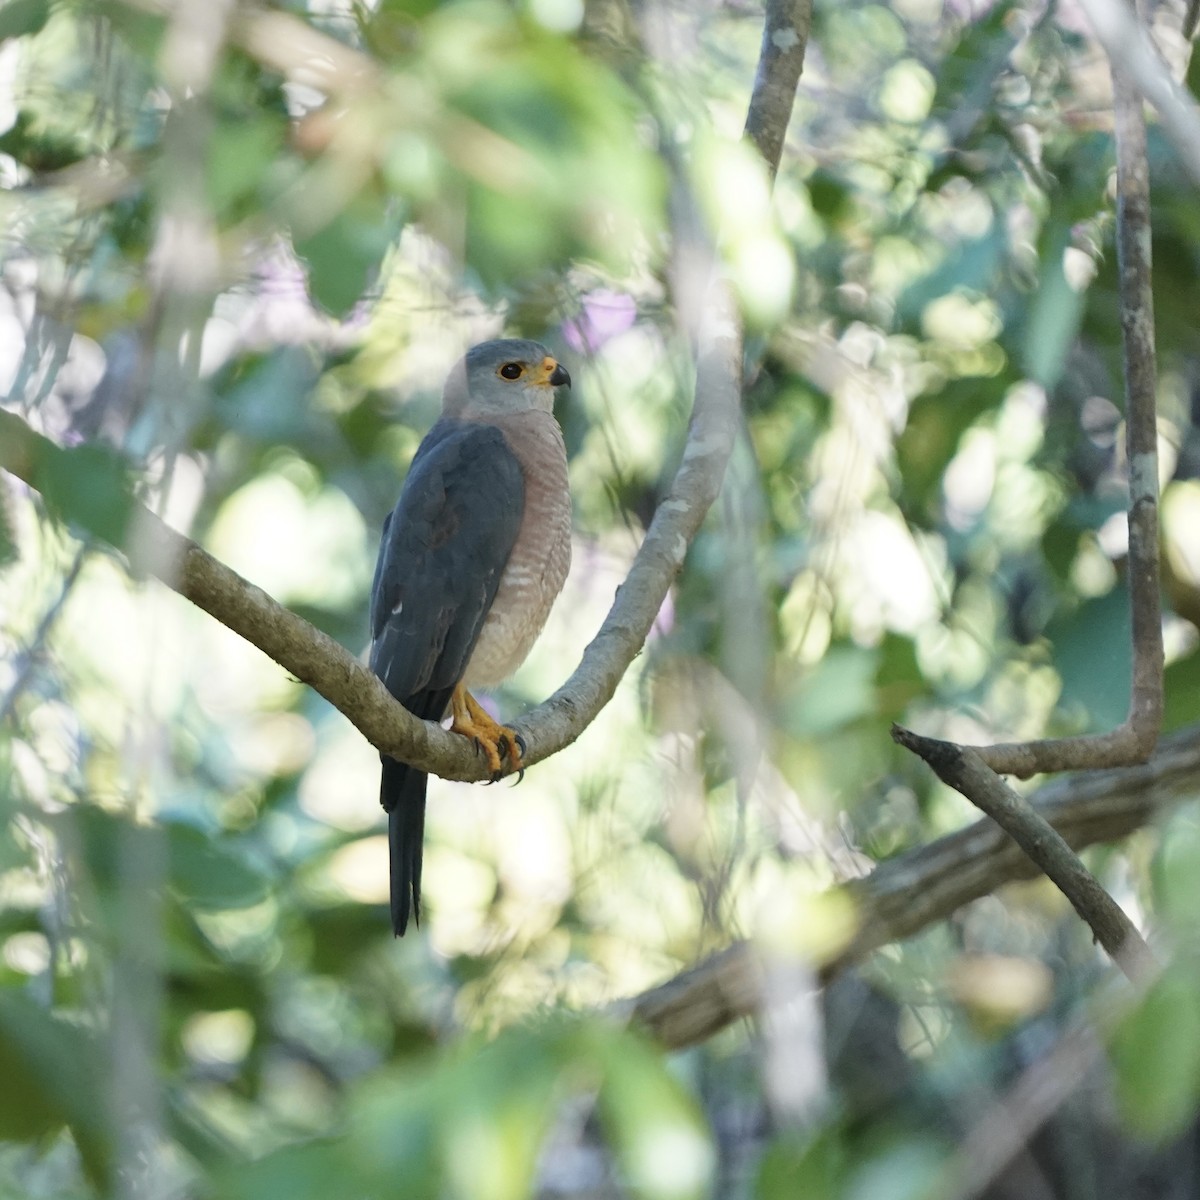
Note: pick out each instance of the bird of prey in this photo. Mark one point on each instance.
(471, 559)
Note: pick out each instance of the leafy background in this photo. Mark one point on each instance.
(240, 283)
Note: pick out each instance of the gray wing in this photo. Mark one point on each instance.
(444, 548)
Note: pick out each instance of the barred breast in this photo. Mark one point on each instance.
(540, 558)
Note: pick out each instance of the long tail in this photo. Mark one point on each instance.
(402, 794)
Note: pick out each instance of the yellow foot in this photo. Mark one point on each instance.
(497, 741)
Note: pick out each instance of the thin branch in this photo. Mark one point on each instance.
(964, 770)
(320, 662)
(1134, 740)
(780, 61)
(1129, 46)
(909, 893)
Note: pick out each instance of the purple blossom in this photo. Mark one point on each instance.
(602, 317)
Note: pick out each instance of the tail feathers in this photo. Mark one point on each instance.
(402, 794)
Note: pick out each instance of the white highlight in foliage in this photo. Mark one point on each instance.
(560, 16)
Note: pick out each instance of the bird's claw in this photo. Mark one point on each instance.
(498, 742)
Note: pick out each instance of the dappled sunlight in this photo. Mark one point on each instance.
(243, 252)
(302, 545)
(360, 870)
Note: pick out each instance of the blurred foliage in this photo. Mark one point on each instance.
(237, 262)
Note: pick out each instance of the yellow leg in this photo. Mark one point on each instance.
(497, 741)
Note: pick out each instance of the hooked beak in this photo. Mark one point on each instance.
(555, 374)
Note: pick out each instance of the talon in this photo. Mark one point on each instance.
(520, 776)
(497, 741)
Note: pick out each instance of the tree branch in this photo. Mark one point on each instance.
(780, 61)
(320, 662)
(1134, 740)
(975, 771)
(964, 770)
(909, 893)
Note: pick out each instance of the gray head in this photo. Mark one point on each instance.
(506, 376)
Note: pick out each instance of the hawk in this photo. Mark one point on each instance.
(470, 562)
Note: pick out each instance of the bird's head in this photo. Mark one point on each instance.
(506, 376)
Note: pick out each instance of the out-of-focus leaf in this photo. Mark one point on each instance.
(20, 17)
(898, 679)
(656, 1132)
(241, 153)
(1092, 656)
(906, 1170)
(549, 164)
(1176, 871)
(931, 436)
(791, 1168)
(968, 75)
(830, 197)
(343, 932)
(1060, 544)
(1054, 315)
(311, 1171)
(270, 401)
(1181, 692)
(89, 485)
(971, 267)
(203, 868)
(343, 254)
(8, 541)
(51, 1073)
(210, 872)
(838, 690)
(1156, 1053)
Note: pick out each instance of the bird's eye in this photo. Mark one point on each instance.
(511, 370)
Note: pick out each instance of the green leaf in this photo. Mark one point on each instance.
(970, 266)
(1156, 1053)
(1181, 692)
(241, 153)
(1054, 316)
(87, 486)
(211, 872)
(792, 1167)
(21, 17)
(314, 1171)
(8, 538)
(1092, 657)
(51, 1074)
(1176, 872)
(837, 691)
(932, 434)
(271, 401)
(898, 679)
(342, 256)
(204, 869)
(655, 1130)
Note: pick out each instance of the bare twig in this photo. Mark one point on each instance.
(915, 890)
(964, 770)
(1134, 740)
(975, 771)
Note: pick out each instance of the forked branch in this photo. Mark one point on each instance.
(329, 668)
(975, 771)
